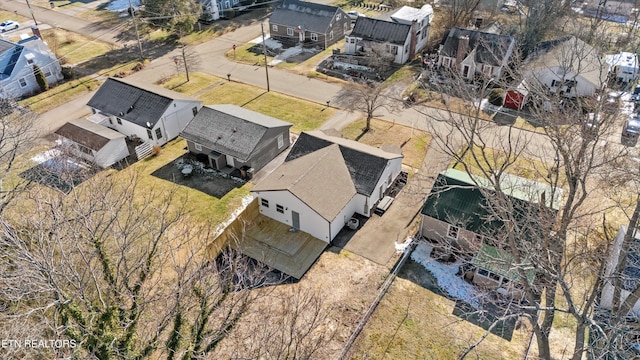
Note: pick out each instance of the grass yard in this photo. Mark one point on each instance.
(7, 15)
(72, 48)
(414, 143)
(60, 94)
(304, 115)
(242, 55)
(412, 322)
(524, 167)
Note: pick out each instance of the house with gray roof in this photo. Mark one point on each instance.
(93, 142)
(234, 137)
(312, 24)
(471, 52)
(17, 60)
(400, 34)
(324, 181)
(567, 66)
(151, 113)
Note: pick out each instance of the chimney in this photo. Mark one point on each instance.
(36, 31)
(414, 39)
(463, 46)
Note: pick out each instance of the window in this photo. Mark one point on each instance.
(338, 16)
(85, 149)
(290, 31)
(47, 73)
(111, 121)
(483, 272)
(194, 110)
(264, 202)
(487, 70)
(331, 35)
(29, 62)
(119, 121)
(149, 134)
(22, 82)
(197, 146)
(280, 209)
(158, 133)
(314, 37)
(352, 40)
(452, 232)
(345, 28)
(280, 141)
(479, 238)
(274, 28)
(495, 277)
(553, 83)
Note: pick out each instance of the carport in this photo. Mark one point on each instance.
(272, 243)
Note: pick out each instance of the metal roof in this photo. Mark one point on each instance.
(502, 263)
(376, 30)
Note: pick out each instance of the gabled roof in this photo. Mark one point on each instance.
(380, 31)
(460, 200)
(308, 15)
(230, 129)
(320, 179)
(135, 102)
(365, 163)
(9, 55)
(502, 263)
(623, 59)
(407, 14)
(491, 49)
(87, 133)
(569, 53)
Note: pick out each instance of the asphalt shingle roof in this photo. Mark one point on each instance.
(490, 48)
(87, 133)
(320, 179)
(310, 16)
(365, 163)
(380, 31)
(136, 103)
(230, 129)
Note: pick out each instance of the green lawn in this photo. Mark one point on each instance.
(304, 115)
(242, 55)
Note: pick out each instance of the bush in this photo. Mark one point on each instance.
(496, 97)
(40, 78)
(67, 73)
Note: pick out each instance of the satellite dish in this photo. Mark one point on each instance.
(148, 124)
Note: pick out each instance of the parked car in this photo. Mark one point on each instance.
(8, 25)
(632, 126)
(353, 15)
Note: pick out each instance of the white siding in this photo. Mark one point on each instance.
(128, 128)
(310, 221)
(546, 77)
(174, 120)
(338, 223)
(114, 151)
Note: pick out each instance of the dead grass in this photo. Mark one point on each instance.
(242, 55)
(72, 48)
(412, 322)
(304, 115)
(414, 143)
(60, 94)
(524, 167)
(7, 15)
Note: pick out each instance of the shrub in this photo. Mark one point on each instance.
(40, 78)
(496, 97)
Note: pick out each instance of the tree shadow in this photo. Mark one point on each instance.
(363, 133)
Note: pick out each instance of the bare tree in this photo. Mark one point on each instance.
(368, 97)
(568, 156)
(17, 133)
(121, 272)
(459, 12)
(187, 61)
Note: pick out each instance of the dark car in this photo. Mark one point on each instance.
(632, 126)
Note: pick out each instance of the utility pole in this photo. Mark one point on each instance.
(135, 25)
(31, 11)
(264, 51)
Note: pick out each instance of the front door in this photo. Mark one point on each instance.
(301, 35)
(295, 220)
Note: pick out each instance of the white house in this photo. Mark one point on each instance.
(324, 181)
(16, 67)
(473, 52)
(405, 33)
(567, 66)
(148, 112)
(630, 274)
(623, 66)
(93, 142)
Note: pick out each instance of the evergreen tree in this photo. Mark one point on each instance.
(40, 78)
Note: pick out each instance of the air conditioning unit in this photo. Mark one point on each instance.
(250, 173)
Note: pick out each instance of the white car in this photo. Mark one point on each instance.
(8, 25)
(353, 15)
